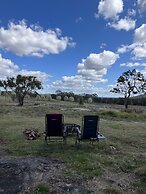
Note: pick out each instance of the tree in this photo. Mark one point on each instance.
(65, 98)
(130, 83)
(81, 100)
(21, 86)
(71, 99)
(58, 98)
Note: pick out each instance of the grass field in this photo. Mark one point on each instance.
(123, 152)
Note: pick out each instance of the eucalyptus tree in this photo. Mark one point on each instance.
(21, 86)
(130, 83)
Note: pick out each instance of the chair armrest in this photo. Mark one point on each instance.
(78, 131)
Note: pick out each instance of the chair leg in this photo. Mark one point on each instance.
(64, 140)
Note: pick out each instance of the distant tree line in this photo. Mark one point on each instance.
(139, 100)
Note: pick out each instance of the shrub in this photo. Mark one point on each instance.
(65, 98)
(71, 99)
(58, 98)
(90, 100)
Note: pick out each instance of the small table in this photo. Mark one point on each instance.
(71, 127)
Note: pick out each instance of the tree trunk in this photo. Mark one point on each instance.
(126, 103)
(20, 100)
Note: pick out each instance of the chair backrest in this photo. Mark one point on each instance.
(54, 124)
(90, 126)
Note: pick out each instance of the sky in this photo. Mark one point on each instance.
(79, 46)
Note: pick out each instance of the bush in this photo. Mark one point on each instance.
(71, 99)
(90, 100)
(65, 98)
(58, 98)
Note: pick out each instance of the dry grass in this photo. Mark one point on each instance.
(123, 150)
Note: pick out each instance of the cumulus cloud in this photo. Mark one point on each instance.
(32, 40)
(140, 42)
(110, 9)
(90, 72)
(95, 66)
(42, 76)
(9, 69)
(123, 24)
(142, 5)
(140, 34)
(138, 47)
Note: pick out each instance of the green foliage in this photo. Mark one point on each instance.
(41, 189)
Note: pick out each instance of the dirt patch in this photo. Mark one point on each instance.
(23, 175)
(113, 183)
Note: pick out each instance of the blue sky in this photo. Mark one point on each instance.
(73, 45)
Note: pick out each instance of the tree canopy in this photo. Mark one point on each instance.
(129, 84)
(21, 86)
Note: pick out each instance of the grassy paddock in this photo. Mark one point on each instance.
(124, 149)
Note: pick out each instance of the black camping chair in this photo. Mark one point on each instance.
(89, 130)
(54, 126)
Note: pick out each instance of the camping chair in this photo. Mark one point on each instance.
(54, 126)
(90, 129)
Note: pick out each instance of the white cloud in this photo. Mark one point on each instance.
(140, 42)
(76, 83)
(79, 19)
(143, 72)
(140, 34)
(9, 69)
(95, 66)
(136, 64)
(105, 92)
(138, 47)
(103, 45)
(142, 5)
(110, 9)
(140, 51)
(123, 24)
(131, 12)
(32, 40)
(90, 72)
(123, 49)
(42, 76)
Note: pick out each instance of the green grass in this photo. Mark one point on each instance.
(122, 151)
(41, 189)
